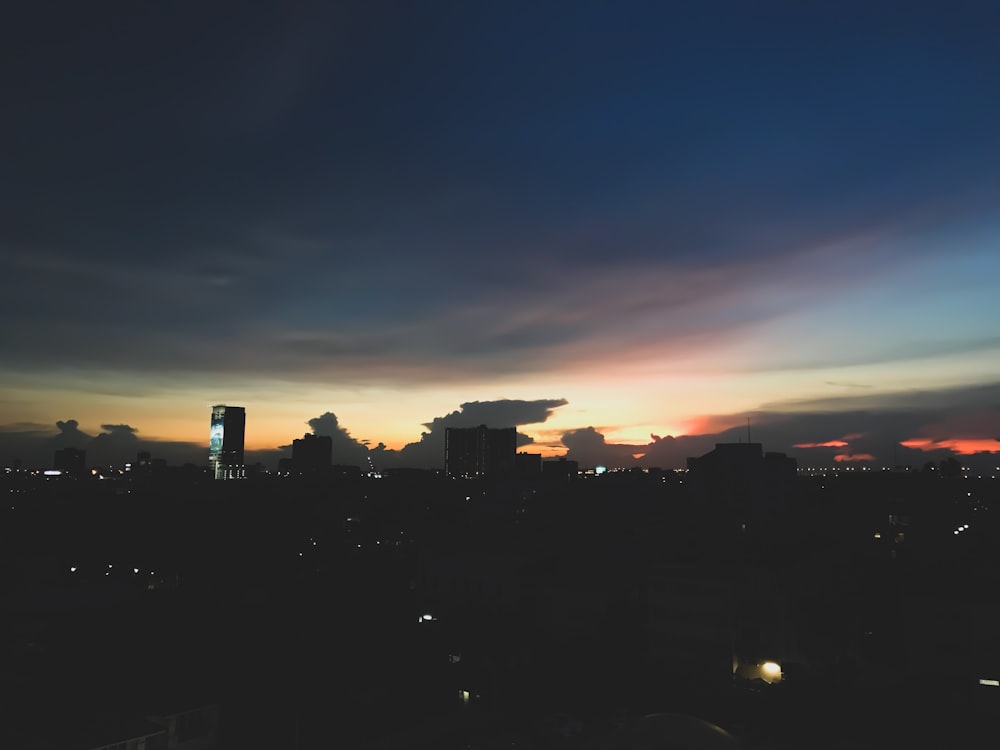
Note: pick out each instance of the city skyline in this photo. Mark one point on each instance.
(113, 445)
(627, 229)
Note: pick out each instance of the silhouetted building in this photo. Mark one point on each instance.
(225, 446)
(478, 452)
(743, 479)
(561, 469)
(528, 464)
(70, 461)
(312, 453)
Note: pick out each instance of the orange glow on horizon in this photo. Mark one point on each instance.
(708, 425)
(961, 446)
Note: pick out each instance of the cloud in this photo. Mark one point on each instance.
(590, 448)
(500, 413)
(109, 447)
(69, 431)
(345, 449)
(113, 446)
(432, 328)
(959, 446)
(119, 430)
(907, 427)
(428, 452)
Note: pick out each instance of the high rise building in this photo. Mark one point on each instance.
(70, 461)
(479, 452)
(225, 444)
(312, 453)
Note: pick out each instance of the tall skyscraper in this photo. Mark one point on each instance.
(225, 443)
(479, 452)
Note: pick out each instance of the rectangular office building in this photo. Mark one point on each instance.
(479, 452)
(225, 444)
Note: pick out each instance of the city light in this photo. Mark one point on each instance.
(770, 671)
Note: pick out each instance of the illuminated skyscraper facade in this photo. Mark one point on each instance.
(225, 443)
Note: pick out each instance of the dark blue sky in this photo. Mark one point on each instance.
(504, 197)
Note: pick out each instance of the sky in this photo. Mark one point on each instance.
(624, 227)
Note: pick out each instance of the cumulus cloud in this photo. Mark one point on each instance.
(589, 448)
(345, 449)
(429, 450)
(116, 444)
(69, 431)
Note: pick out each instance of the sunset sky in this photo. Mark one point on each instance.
(607, 223)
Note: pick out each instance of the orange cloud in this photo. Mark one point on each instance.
(840, 443)
(961, 446)
(840, 458)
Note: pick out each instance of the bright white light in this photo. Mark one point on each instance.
(52, 472)
(990, 683)
(72, 569)
(965, 526)
(427, 618)
(135, 570)
(771, 671)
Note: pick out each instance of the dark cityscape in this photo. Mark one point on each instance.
(502, 601)
(385, 375)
